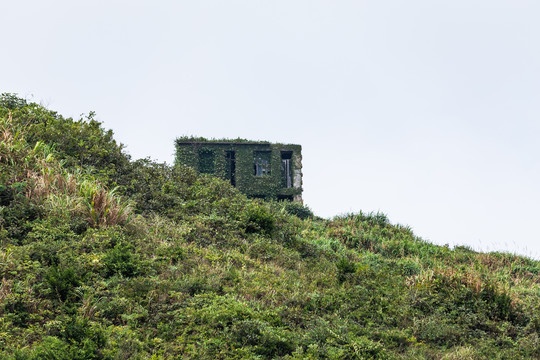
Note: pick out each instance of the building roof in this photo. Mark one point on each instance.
(200, 140)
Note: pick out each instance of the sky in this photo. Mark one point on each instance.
(425, 110)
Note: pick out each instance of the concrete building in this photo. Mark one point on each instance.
(258, 169)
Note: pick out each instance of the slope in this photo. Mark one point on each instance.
(102, 257)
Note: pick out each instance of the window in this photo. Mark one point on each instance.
(284, 198)
(262, 163)
(286, 169)
(230, 170)
(206, 162)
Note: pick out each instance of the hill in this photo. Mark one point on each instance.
(102, 257)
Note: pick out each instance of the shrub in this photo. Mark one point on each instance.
(62, 282)
(439, 331)
(45, 252)
(497, 302)
(345, 267)
(16, 310)
(76, 339)
(17, 218)
(12, 101)
(407, 267)
(6, 195)
(121, 260)
(258, 219)
(364, 348)
(49, 231)
(297, 209)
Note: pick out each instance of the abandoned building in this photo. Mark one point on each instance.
(258, 169)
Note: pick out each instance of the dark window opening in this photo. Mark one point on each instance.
(262, 163)
(230, 171)
(284, 198)
(206, 162)
(286, 169)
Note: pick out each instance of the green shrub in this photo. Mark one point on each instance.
(17, 218)
(297, 209)
(77, 339)
(199, 283)
(498, 303)
(267, 341)
(62, 282)
(16, 310)
(6, 195)
(113, 308)
(345, 268)
(122, 260)
(247, 332)
(257, 219)
(45, 252)
(12, 101)
(439, 331)
(171, 254)
(407, 267)
(276, 343)
(49, 231)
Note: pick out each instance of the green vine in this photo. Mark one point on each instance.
(197, 152)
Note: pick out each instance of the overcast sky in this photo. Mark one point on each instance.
(425, 110)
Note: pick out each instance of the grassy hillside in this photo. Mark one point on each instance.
(102, 257)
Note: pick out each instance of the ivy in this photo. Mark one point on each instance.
(266, 182)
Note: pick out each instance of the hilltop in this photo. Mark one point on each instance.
(103, 257)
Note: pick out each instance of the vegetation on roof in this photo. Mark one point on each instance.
(198, 139)
(103, 257)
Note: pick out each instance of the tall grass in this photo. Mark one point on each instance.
(47, 182)
(103, 207)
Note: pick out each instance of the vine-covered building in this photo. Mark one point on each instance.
(258, 169)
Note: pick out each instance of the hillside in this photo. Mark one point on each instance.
(102, 257)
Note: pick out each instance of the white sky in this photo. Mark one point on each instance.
(425, 110)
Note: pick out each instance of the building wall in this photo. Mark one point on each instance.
(266, 186)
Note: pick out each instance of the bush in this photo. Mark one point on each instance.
(298, 209)
(498, 303)
(121, 260)
(257, 219)
(76, 339)
(345, 267)
(17, 218)
(437, 330)
(45, 252)
(6, 195)
(16, 310)
(62, 282)
(407, 267)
